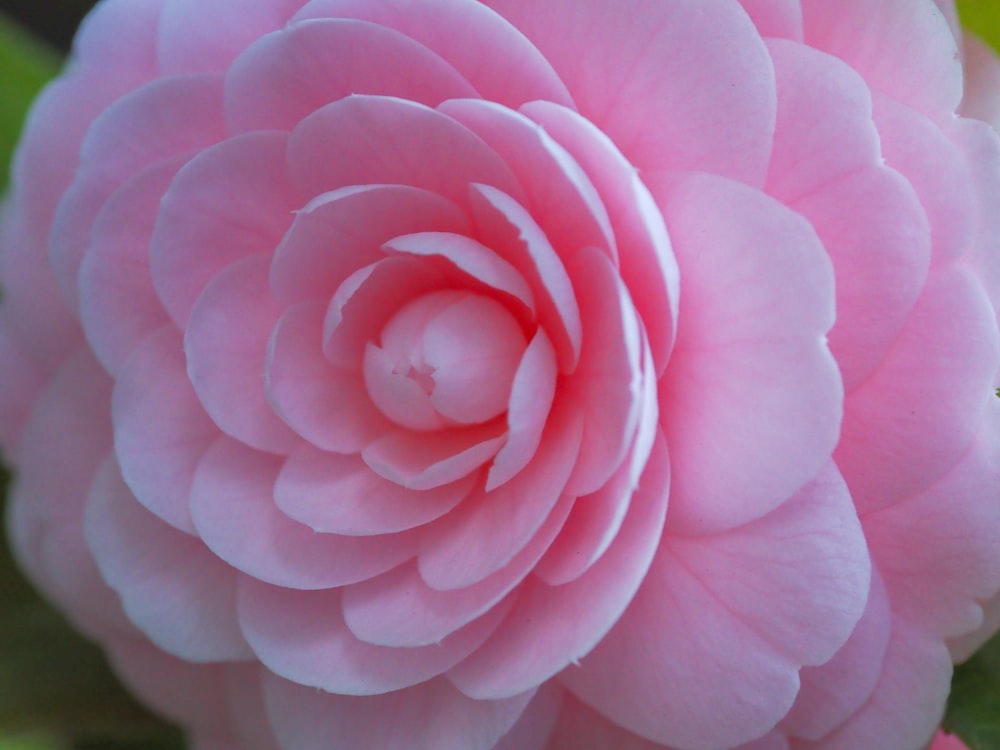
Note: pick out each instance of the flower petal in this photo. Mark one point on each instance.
(337, 494)
(431, 716)
(232, 504)
(176, 591)
(229, 202)
(289, 74)
(226, 344)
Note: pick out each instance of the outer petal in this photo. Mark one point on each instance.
(195, 37)
(285, 76)
(431, 716)
(470, 37)
(757, 302)
(118, 305)
(176, 591)
(712, 658)
(167, 118)
(939, 551)
(908, 703)
(634, 83)
(904, 49)
(161, 430)
(904, 431)
(231, 201)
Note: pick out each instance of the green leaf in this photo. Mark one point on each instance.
(25, 66)
(982, 18)
(974, 705)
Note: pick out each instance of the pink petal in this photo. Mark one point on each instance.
(903, 49)
(192, 694)
(226, 343)
(474, 347)
(486, 532)
(597, 518)
(368, 299)
(302, 636)
(423, 461)
(964, 647)
(31, 298)
(756, 603)
(20, 382)
(531, 397)
(285, 76)
(939, 550)
(828, 166)
(506, 227)
(924, 423)
(551, 627)
(167, 118)
(161, 430)
(232, 504)
(231, 201)
(832, 692)
(326, 405)
(981, 98)
(648, 266)
(470, 37)
(536, 725)
(195, 37)
(876, 233)
(919, 150)
(66, 437)
(118, 306)
(399, 609)
(776, 18)
(560, 196)
(121, 33)
(364, 140)
(431, 716)
(981, 149)
(635, 82)
(757, 302)
(607, 385)
(582, 728)
(479, 264)
(337, 494)
(824, 130)
(908, 703)
(354, 221)
(246, 702)
(174, 590)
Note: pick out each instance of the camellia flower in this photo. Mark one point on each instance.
(525, 375)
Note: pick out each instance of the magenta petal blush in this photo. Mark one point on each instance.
(516, 374)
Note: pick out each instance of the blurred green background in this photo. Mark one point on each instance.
(56, 691)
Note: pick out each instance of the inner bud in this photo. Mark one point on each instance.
(445, 358)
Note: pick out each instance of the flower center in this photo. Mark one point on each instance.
(445, 358)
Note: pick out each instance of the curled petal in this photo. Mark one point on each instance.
(333, 493)
(344, 230)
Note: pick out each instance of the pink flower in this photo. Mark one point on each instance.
(527, 375)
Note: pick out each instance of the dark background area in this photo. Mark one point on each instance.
(54, 21)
